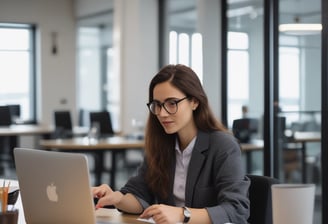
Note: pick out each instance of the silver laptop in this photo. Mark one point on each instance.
(54, 186)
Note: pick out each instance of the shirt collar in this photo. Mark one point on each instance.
(189, 147)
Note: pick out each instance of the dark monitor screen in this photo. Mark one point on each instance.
(244, 128)
(5, 117)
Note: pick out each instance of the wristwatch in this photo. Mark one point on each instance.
(187, 214)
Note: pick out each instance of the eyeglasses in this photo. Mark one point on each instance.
(170, 106)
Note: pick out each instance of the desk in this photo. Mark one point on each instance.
(25, 129)
(303, 138)
(12, 132)
(83, 144)
(248, 148)
(113, 215)
(30, 129)
(9, 136)
(298, 137)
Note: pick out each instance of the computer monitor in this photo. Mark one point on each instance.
(244, 128)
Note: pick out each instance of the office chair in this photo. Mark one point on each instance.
(5, 116)
(6, 155)
(291, 151)
(63, 124)
(15, 112)
(84, 118)
(244, 128)
(103, 119)
(260, 199)
(129, 157)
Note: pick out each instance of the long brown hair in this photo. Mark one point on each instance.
(160, 146)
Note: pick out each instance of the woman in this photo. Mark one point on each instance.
(192, 169)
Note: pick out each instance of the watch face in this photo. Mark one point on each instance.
(186, 212)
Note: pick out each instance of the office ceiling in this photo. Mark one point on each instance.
(183, 12)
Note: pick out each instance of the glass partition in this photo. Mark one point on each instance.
(98, 85)
(300, 94)
(245, 77)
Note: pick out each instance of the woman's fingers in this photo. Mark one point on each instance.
(150, 212)
(101, 191)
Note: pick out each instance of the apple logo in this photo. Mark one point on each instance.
(52, 193)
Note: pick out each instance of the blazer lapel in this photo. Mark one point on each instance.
(195, 165)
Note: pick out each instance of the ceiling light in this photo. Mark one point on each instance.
(300, 28)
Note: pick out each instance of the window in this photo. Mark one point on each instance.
(187, 49)
(99, 86)
(238, 73)
(289, 61)
(17, 68)
(290, 72)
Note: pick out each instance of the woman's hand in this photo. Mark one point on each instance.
(163, 214)
(106, 195)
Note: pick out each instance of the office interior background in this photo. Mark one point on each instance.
(83, 55)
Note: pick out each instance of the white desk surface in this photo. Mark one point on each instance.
(25, 129)
(307, 136)
(83, 143)
(35, 129)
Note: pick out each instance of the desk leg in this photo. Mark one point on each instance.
(13, 142)
(7, 145)
(99, 167)
(113, 170)
(248, 162)
(304, 167)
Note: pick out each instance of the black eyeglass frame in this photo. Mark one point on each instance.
(162, 105)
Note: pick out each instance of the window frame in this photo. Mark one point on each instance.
(32, 105)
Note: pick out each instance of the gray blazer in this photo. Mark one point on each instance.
(215, 180)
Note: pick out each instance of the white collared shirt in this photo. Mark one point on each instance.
(181, 171)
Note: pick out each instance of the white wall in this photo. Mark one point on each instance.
(56, 73)
(87, 7)
(136, 55)
(208, 18)
(311, 73)
(135, 44)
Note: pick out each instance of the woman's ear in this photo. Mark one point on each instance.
(195, 103)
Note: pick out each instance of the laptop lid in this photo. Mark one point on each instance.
(54, 186)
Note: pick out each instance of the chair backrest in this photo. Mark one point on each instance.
(103, 119)
(15, 111)
(5, 116)
(243, 128)
(261, 199)
(84, 118)
(63, 124)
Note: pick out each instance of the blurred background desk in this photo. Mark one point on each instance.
(115, 145)
(301, 138)
(25, 129)
(304, 137)
(248, 149)
(9, 139)
(307, 136)
(10, 136)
